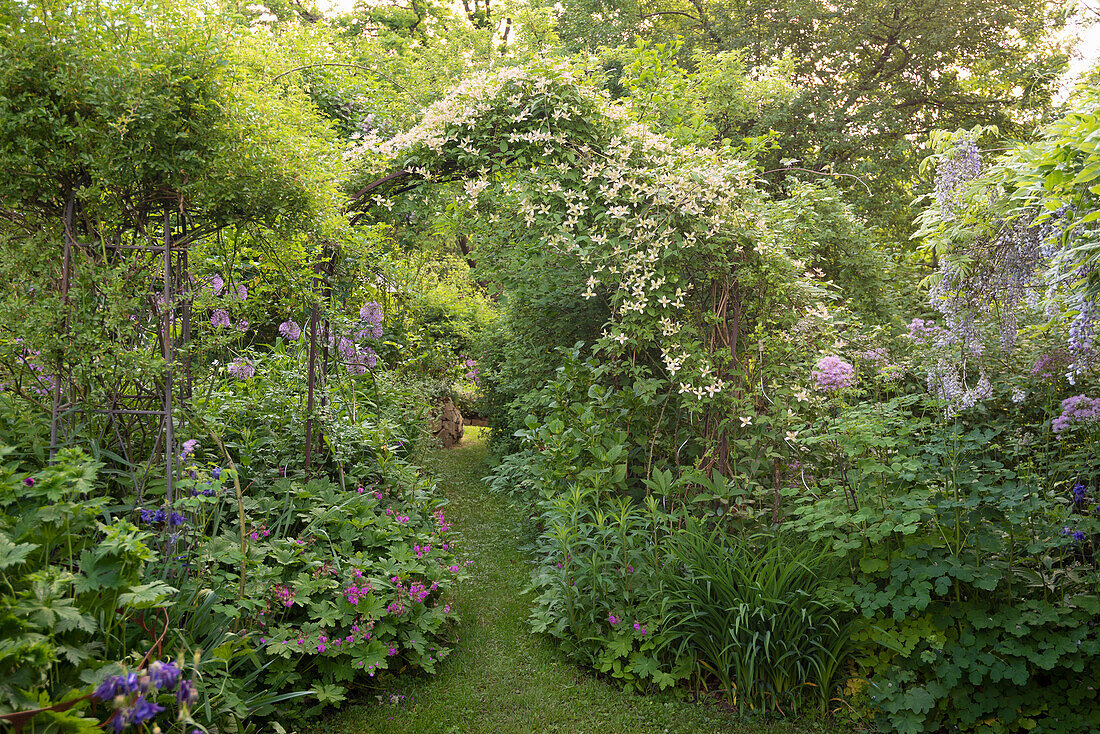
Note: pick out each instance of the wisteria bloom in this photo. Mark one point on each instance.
(290, 330)
(961, 165)
(371, 312)
(833, 373)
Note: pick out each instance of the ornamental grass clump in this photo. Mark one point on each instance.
(760, 616)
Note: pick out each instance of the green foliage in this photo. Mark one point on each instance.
(976, 606)
(600, 579)
(72, 584)
(761, 615)
(339, 585)
(869, 78)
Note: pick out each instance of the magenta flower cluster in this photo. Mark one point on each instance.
(356, 592)
(444, 526)
(285, 595)
(833, 373)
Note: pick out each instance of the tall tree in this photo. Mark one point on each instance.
(874, 76)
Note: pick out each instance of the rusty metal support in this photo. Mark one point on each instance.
(312, 380)
(168, 295)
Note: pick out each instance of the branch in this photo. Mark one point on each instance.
(819, 173)
(669, 12)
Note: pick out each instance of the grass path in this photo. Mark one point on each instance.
(501, 678)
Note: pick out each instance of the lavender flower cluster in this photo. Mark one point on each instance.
(958, 167)
(357, 359)
(1076, 409)
(833, 373)
(242, 369)
(43, 383)
(134, 694)
(220, 316)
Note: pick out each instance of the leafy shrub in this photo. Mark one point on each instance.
(75, 598)
(600, 580)
(262, 416)
(973, 568)
(339, 584)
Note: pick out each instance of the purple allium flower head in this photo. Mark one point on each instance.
(242, 325)
(220, 317)
(242, 293)
(833, 373)
(290, 330)
(217, 283)
(371, 312)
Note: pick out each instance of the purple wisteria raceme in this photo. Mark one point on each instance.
(959, 166)
(1076, 409)
(833, 373)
